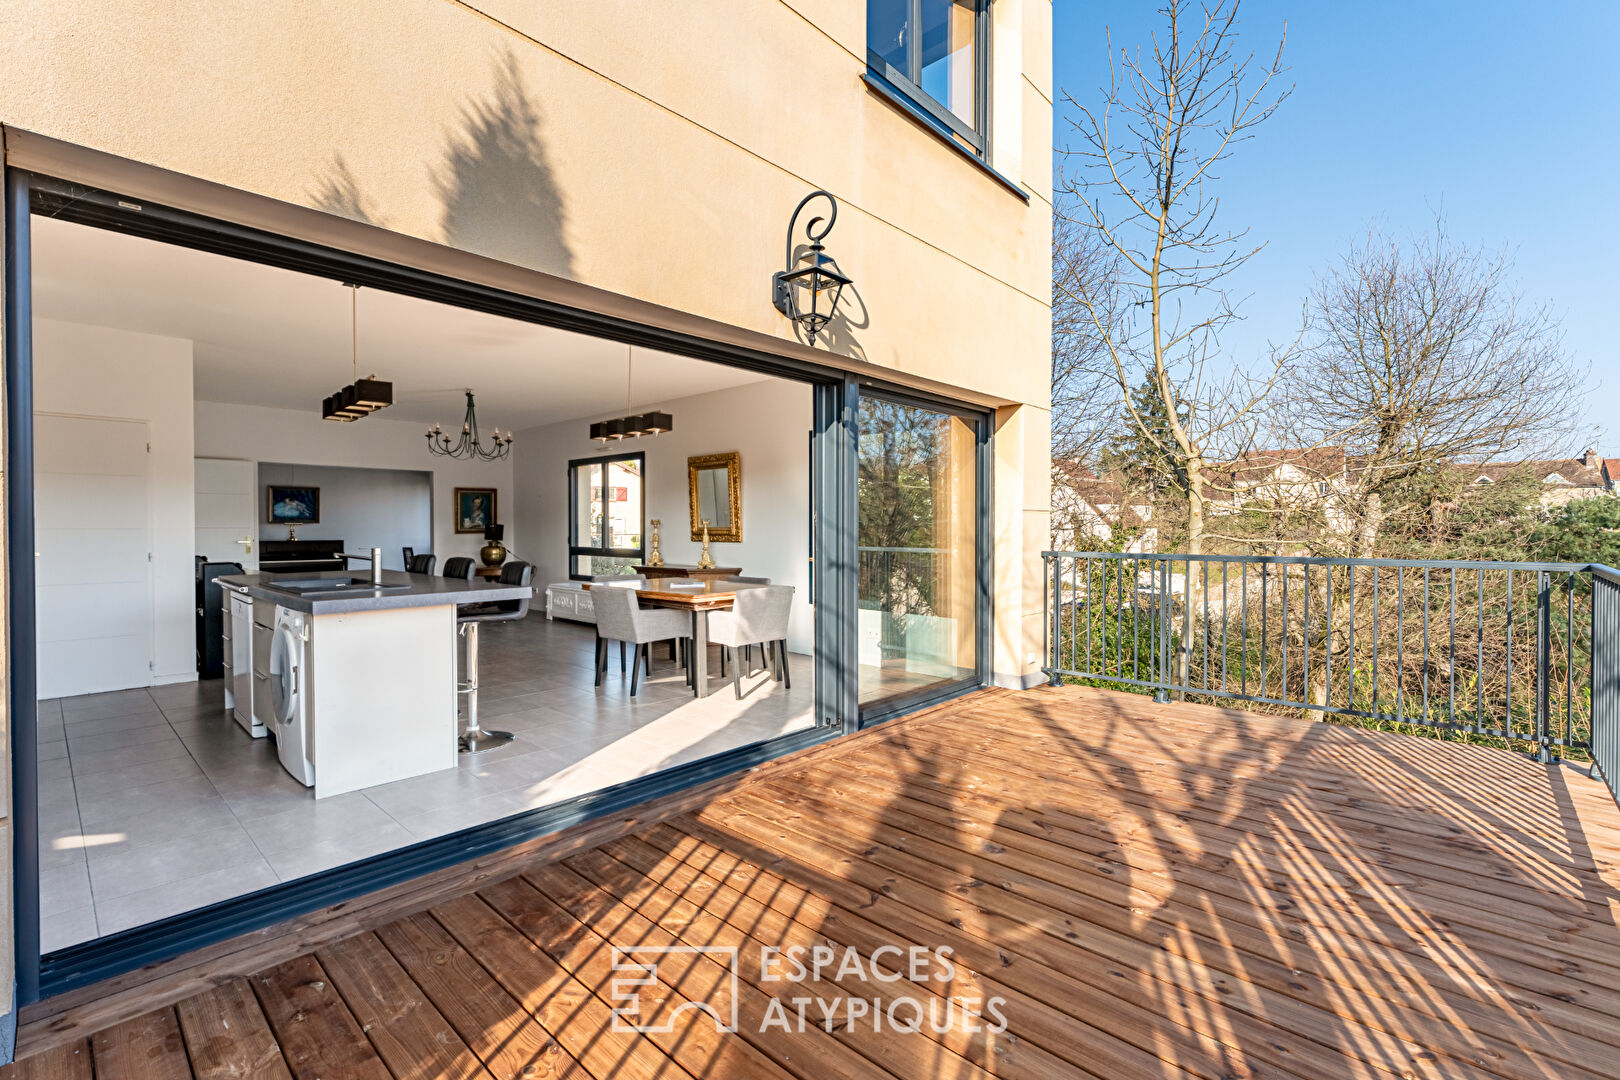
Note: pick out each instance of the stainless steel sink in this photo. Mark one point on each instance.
(322, 585)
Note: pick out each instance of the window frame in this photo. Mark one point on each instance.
(575, 550)
(901, 83)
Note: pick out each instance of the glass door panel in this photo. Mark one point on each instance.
(917, 552)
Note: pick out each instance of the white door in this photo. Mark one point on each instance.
(227, 511)
(92, 569)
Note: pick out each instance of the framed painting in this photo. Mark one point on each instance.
(475, 509)
(292, 504)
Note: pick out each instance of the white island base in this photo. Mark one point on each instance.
(382, 696)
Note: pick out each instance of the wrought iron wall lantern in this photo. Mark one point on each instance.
(808, 290)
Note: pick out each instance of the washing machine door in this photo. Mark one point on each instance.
(284, 675)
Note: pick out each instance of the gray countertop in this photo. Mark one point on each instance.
(423, 591)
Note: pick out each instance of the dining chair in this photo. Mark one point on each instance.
(748, 650)
(620, 617)
(757, 617)
(421, 564)
(460, 568)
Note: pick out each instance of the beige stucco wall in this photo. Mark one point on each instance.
(652, 148)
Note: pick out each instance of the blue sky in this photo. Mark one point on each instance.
(1504, 116)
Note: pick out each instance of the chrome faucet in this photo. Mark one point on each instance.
(375, 559)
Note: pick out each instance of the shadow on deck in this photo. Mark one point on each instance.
(1056, 883)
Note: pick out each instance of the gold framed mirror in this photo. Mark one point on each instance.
(714, 482)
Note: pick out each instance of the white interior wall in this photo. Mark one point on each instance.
(365, 508)
(119, 374)
(301, 437)
(768, 422)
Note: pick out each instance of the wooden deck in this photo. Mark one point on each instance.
(1146, 891)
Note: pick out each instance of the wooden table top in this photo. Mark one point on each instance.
(685, 594)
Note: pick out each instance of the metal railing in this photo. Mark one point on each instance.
(1605, 726)
(1524, 652)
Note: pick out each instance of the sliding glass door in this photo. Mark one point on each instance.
(919, 579)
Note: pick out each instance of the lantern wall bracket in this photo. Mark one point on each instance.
(815, 273)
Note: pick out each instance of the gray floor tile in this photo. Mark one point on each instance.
(79, 730)
(61, 927)
(137, 775)
(316, 821)
(52, 749)
(118, 740)
(149, 905)
(119, 869)
(85, 763)
(195, 816)
(101, 806)
(312, 858)
(66, 881)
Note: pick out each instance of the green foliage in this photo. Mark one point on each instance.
(1139, 454)
(1584, 531)
(1446, 514)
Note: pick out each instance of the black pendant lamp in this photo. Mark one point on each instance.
(363, 396)
(631, 427)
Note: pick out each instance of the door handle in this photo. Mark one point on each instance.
(248, 542)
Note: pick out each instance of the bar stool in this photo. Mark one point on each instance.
(475, 739)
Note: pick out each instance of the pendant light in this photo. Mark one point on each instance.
(363, 396)
(631, 427)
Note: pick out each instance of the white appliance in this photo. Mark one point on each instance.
(240, 648)
(289, 692)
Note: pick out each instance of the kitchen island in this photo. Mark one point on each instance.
(356, 682)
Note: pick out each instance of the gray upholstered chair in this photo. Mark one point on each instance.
(420, 564)
(758, 616)
(620, 617)
(460, 568)
(748, 650)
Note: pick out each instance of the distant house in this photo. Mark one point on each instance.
(1563, 480)
(1087, 508)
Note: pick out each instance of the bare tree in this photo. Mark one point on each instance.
(1144, 185)
(1421, 356)
(1085, 398)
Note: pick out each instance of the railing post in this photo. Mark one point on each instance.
(1160, 694)
(1055, 646)
(1544, 749)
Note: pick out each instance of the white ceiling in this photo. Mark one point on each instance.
(277, 338)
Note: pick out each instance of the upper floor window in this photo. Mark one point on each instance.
(936, 54)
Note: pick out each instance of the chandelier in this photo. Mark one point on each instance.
(469, 446)
(363, 396)
(631, 427)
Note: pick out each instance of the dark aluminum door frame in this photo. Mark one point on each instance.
(832, 446)
(22, 675)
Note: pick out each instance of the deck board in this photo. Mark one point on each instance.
(1149, 891)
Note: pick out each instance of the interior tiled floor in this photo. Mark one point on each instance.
(153, 802)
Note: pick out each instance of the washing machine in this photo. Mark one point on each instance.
(289, 693)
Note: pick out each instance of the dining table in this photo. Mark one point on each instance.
(696, 595)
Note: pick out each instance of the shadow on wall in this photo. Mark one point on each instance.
(499, 196)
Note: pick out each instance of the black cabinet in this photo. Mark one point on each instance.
(300, 556)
